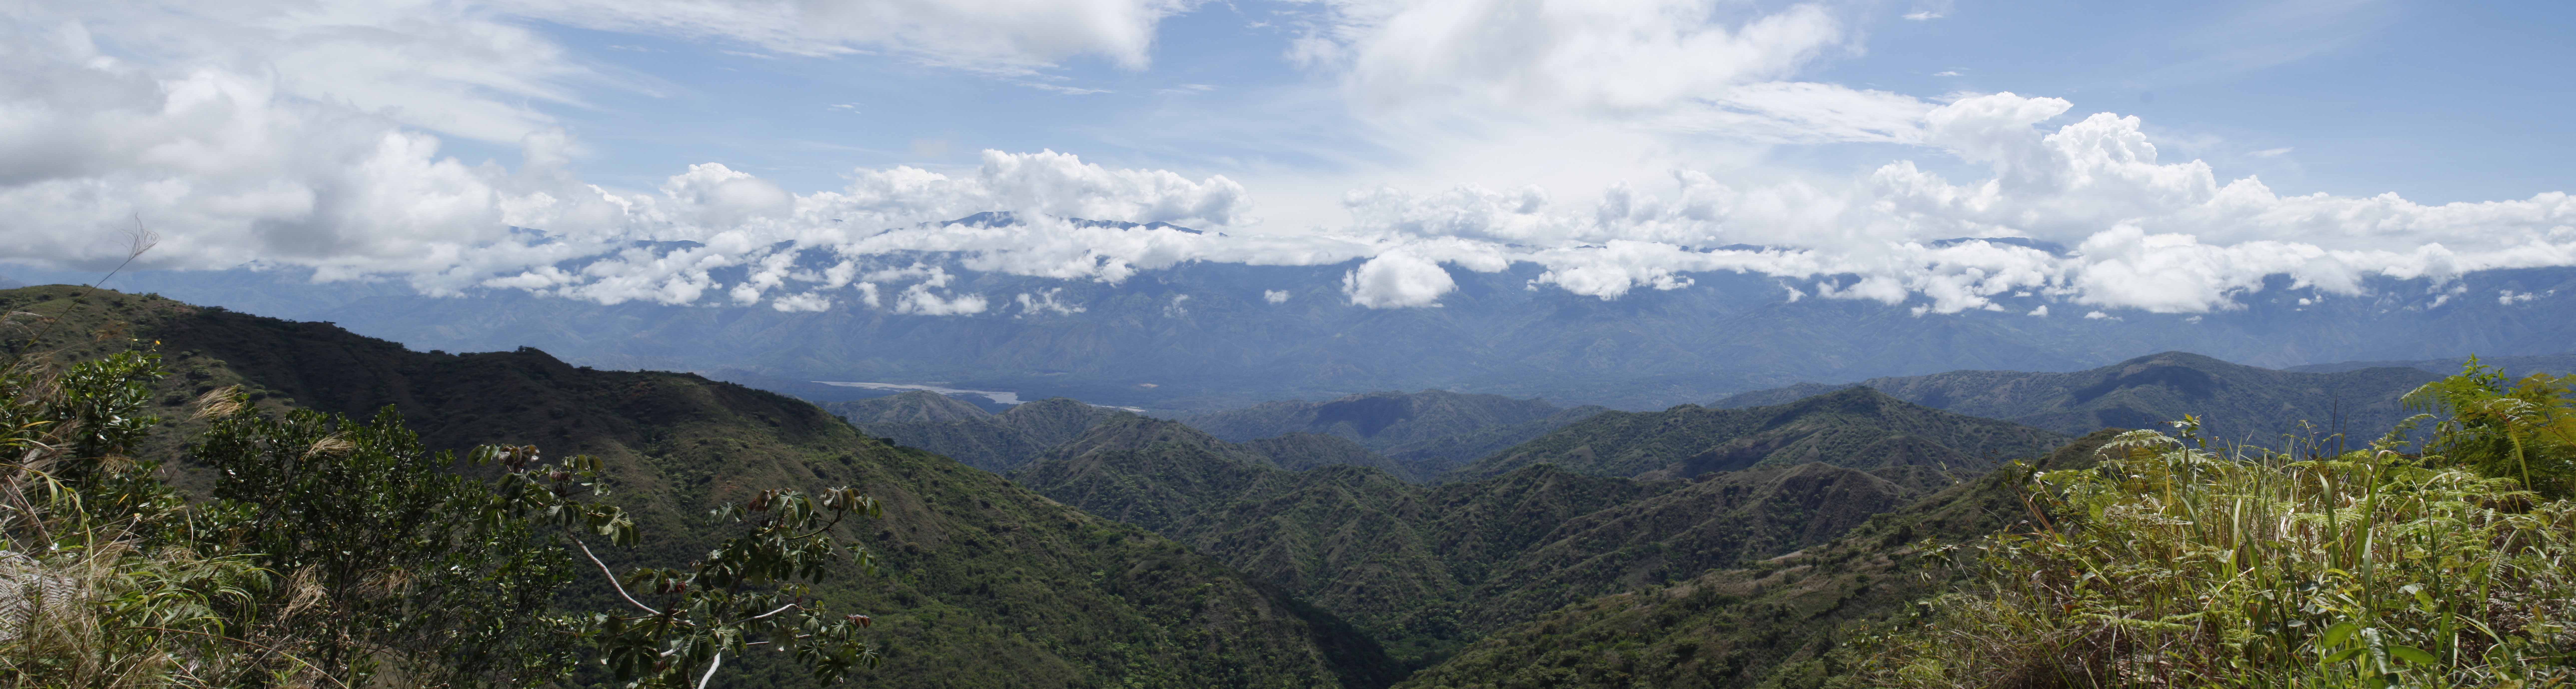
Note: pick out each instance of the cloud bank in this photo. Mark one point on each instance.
(297, 136)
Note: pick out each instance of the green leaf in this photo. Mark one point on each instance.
(2347, 654)
(2412, 655)
(2336, 635)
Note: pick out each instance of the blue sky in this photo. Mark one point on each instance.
(2437, 102)
(2183, 151)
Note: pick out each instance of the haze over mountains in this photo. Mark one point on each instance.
(1201, 337)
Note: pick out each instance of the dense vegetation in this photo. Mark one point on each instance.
(1427, 569)
(2237, 403)
(967, 433)
(981, 583)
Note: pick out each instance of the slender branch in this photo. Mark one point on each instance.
(765, 615)
(836, 521)
(711, 670)
(612, 579)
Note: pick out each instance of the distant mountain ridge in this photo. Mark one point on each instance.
(1199, 336)
(1430, 431)
(1857, 428)
(2514, 366)
(2235, 402)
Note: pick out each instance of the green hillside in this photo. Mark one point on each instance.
(967, 433)
(1855, 428)
(984, 583)
(1769, 624)
(1426, 569)
(1431, 431)
(2235, 402)
(1302, 451)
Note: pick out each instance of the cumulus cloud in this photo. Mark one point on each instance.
(310, 136)
(1397, 280)
(1275, 296)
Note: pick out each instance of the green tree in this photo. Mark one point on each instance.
(343, 553)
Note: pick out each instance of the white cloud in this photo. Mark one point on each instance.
(992, 35)
(311, 136)
(809, 301)
(2272, 152)
(2042, 311)
(1922, 16)
(1046, 301)
(1275, 296)
(1397, 280)
(1616, 55)
(1946, 73)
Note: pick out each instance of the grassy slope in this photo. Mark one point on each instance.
(1857, 428)
(2235, 402)
(1764, 625)
(987, 584)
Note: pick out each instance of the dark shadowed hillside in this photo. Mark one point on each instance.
(2235, 402)
(1302, 451)
(967, 433)
(985, 583)
(1855, 428)
(1766, 625)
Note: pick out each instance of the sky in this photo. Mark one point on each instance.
(2177, 152)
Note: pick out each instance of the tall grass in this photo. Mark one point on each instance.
(2171, 565)
(93, 591)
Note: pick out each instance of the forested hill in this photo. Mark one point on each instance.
(2235, 402)
(984, 583)
(1431, 431)
(1425, 569)
(965, 432)
(1856, 428)
(1771, 624)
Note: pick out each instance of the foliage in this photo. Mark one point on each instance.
(754, 589)
(98, 594)
(390, 568)
(2524, 429)
(345, 554)
(2171, 565)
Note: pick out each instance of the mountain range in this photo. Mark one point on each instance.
(1199, 337)
(2234, 402)
(1424, 539)
(1425, 569)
